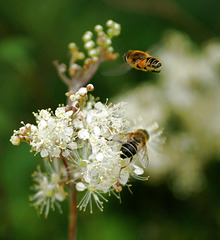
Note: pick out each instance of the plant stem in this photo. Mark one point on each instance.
(72, 212)
(72, 204)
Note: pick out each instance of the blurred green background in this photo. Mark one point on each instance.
(33, 34)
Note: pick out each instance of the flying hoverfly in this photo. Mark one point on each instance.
(142, 61)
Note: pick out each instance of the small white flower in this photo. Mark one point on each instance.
(44, 114)
(49, 189)
(60, 112)
(83, 134)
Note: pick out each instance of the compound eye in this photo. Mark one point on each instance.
(125, 57)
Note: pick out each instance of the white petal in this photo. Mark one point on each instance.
(69, 131)
(56, 152)
(82, 91)
(60, 112)
(42, 124)
(59, 197)
(83, 134)
(69, 113)
(44, 114)
(89, 118)
(138, 170)
(72, 145)
(80, 186)
(123, 177)
(99, 156)
(66, 153)
(99, 106)
(33, 128)
(51, 123)
(44, 153)
(97, 131)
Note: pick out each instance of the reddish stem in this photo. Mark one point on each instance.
(73, 212)
(72, 203)
(65, 164)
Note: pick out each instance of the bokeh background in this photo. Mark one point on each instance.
(182, 198)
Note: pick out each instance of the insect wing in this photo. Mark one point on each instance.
(143, 156)
(117, 70)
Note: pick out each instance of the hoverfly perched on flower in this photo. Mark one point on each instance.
(136, 144)
(142, 61)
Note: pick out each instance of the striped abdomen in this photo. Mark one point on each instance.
(153, 62)
(128, 149)
(150, 64)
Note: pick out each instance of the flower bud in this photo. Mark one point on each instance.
(87, 36)
(110, 23)
(15, 140)
(72, 46)
(90, 87)
(98, 28)
(90, 44)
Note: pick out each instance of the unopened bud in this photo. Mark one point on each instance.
(98, 28)
(110, 23)
(72, 46)
(90, 87)
(87, 36)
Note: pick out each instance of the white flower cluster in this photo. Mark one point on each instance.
(87, 136)
(49, 188)
(51, 135)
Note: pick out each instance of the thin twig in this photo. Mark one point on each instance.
(92, 70)
(61, 74)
